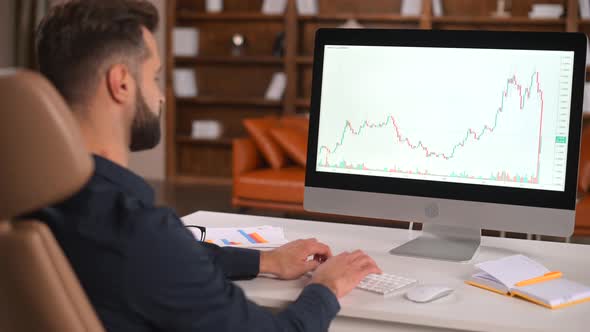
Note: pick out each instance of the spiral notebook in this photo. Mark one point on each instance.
(522, 277)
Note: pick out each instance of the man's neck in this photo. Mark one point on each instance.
(118, 157)
(105, 141)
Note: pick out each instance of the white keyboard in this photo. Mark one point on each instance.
(385, 283)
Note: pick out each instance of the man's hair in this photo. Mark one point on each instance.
(78, 40)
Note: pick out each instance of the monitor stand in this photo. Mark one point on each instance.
(451, 243)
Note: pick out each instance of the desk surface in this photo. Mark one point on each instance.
(468, 308)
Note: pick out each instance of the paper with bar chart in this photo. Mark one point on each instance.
(247, 237)
(477, 116)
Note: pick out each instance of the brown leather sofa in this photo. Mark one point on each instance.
(258, 185)
(583, 208)
(268, 166)
(43, 162)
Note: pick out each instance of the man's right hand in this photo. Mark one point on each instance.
(343, 272)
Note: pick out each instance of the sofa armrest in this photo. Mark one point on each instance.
(245, 156)
(583, 216)
(584, 166)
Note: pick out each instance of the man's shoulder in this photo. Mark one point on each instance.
(126, 210)
(104, 211)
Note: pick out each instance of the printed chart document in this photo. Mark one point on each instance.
(245, 237)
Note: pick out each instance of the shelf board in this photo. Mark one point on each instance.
(247, 60)
(230, 101)
(187, 15)
(361, 17)
(195, 179)
(304, 60)
(520, 20)
(186, 139)
(584, 21)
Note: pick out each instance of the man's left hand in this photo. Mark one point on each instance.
(290, 261)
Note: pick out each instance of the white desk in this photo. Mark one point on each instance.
(468, 308)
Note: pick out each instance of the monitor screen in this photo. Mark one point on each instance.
(481, 116)
(465, 129)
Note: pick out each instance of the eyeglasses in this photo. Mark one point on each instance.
(202, 229)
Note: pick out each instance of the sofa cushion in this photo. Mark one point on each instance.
(300, 122)
(293, 141)
(284, 185)
(275, 151)
(259, 130)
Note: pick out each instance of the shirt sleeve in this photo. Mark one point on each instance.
(236, 263)
(174, 285)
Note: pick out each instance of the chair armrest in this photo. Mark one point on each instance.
(245, 156)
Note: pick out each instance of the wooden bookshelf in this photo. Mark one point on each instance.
(500, 20)
(388, 18)
(228, 60)
(185, 139)
(229, 101)
(304, 60)
(232, 88)
(190, 16)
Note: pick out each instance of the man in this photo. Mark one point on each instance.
(141, 268)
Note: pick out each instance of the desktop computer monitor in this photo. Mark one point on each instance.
(459, 130)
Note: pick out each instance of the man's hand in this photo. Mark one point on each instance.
(343, 272)
(290, 261)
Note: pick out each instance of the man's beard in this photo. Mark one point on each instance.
(145, 129)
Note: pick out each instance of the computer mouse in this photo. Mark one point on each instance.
(427, 293)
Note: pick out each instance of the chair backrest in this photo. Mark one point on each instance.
(44, 161)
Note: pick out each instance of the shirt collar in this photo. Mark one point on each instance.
(130, 182)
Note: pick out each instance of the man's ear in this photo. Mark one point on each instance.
(119, 82)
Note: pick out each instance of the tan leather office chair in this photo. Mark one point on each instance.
(43, 162)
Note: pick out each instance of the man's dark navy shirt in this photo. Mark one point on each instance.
(143, 271)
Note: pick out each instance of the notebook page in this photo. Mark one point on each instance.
(484, 275)
(512, 269)
(482, 278)
(557, 291)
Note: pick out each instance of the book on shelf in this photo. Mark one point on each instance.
(206, 129)
(584, 6)
(544, 10)
(411, 7)
(214, 6)
(307, 7)
(277, 86)
(274, 7)
(437, 8)
(501, 10)
(185, 41)
(185, 83)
